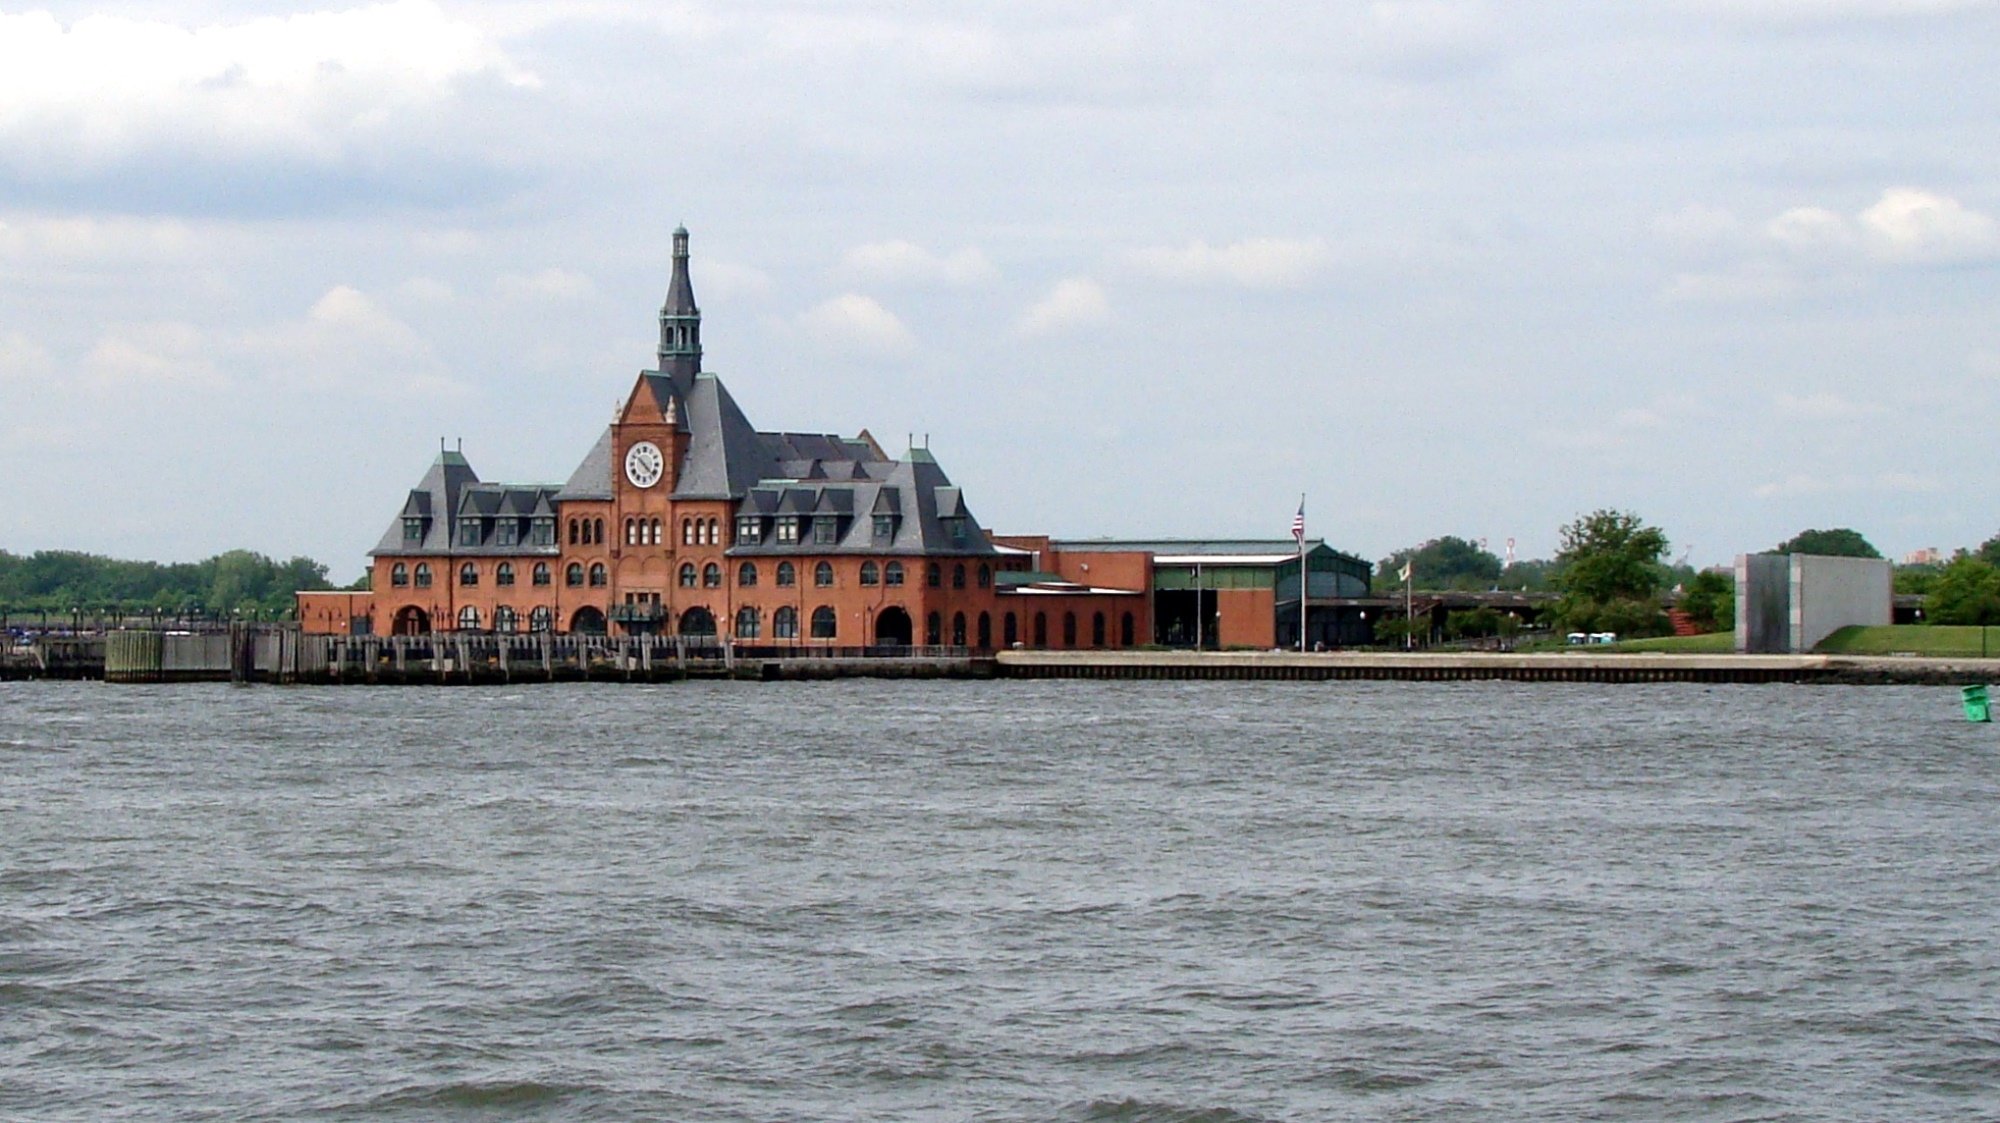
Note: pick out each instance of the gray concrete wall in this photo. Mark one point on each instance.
(1828, 594)
(1763, 604)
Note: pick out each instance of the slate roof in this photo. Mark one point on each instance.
(451, 490)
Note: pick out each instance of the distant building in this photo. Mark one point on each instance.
(684, 518)
(1929, 555)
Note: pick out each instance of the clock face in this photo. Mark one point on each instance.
(643, 464)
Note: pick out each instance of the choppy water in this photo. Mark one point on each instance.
(998, 901)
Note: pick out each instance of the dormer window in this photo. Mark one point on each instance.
(885, 527)
(826, 530)
(468, 532)
(413, 530)
(749, 529)
(788, 529)
(544, 532)
(510, 532)
(957, 530)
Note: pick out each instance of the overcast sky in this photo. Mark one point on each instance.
(1137, 269)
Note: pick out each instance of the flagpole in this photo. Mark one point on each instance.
(1303, 583)
(1409, 606)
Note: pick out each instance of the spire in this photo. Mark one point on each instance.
(680, 320)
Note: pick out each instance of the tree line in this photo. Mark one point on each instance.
(1611, 574)
(238, 581)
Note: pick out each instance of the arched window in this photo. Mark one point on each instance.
(1097, 629)
(468, 574)
(541, 574)
(687, 575)
(399, 575)
(985, 631)
(747, 624)
(711, 576)
(934, 629)
(1125, 631)
(787, 576)
(985, 575)
(871, 574)
(423, 575)
(687, 532)
(573, 576)
(572, 533)
(1010, 630)
(714, 532)
(1069, 629)
(597, 576)
(934, 575)
(746, 574)
(503, 574)
(785, 623)
(892, 574)
(540, 618)
(631, 532)
(504, 620)
(823, 575)
(958, 629)
(468, 618)
(822, 623)
(597, 531)
(958, 576)
(1041, 629)
(653, 533)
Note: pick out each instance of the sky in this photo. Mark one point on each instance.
(1442, 267)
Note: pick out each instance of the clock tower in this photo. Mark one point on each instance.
(680, 320)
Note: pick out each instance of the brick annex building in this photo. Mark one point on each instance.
(685, 519)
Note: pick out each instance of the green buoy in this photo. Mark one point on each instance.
(1975, 703)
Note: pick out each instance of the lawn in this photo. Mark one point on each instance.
(1708, 643)
(1914, 639)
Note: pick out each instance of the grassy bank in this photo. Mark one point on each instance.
(1709, 643)
(1940, 640)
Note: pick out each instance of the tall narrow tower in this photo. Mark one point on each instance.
(680, 320)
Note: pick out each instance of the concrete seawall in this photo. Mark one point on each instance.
(1473, 666)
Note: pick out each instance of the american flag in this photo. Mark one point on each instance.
(1299, 523)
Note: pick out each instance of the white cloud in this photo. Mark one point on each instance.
(897, 262)
(1806, 483)
(346, 342)
(727, 281)
(425, 290)
(1264, 263)
(1696, 227)
(155, 354)
(1074, 302)
(1810, 230)
(1756, 281)
(92, 239)
(22, 359)
(853, 322)
(1798, 483)
(1912, 225)
(1816, 11)
(1823, 407)
(547, 285)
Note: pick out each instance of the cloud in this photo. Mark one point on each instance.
(346, 342)
(1261, 263)
(1074, 302)
(547, 285)
(727, 281)
(1810, 230)
(1911, 225)
(1757, 281)
(89, 239)
(155, 354)
(1889, 483)
(899, 262)
(1824, 11)
(1697, 227)
(425, 290)
(857, 323)
(22, 360)
(1824, 407)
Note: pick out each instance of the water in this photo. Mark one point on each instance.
(998, 901)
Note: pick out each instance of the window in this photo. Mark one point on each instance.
(871, 574)
(468, 618)
(747, 624)
(631, 532)
(711, 576)
(399, 575)
(826, 530)
(1041, 629)
(573, 576)
(822, 623)
(747, 530)
(509, 531)
(545, 532)
(468, 574)
(714, 532)
(687, 532)
(787, 576)
(653, 533)
(1010, 630)
(958, 629)
(540, 618)
(934, 575)
(885, 527)
(687, 575)
(933, 629)
(823, 575)
(746, 574)
(572, 533)
(1069, 629)
(597, 576)
(785, 623)
(958, 576)
(892, 574)
(597, 531)
(504, 620)
(985, 631)
(1125, 631)
(1097, 629)
(423, 575)
(413, 530)
(957, 530)
(503, 574)
(468, 532)
(985, 575)
(788, 529)
(541, 574)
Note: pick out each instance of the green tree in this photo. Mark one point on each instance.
(1445, 563)
(1916, 579)
(1967, 591)
(1840, 542)
(1989, 551)
(1709, 599)
(1611, 574)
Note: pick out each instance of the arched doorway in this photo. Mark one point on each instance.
(697, 621)
(411, 621)
(588, 621)
(893, 627)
